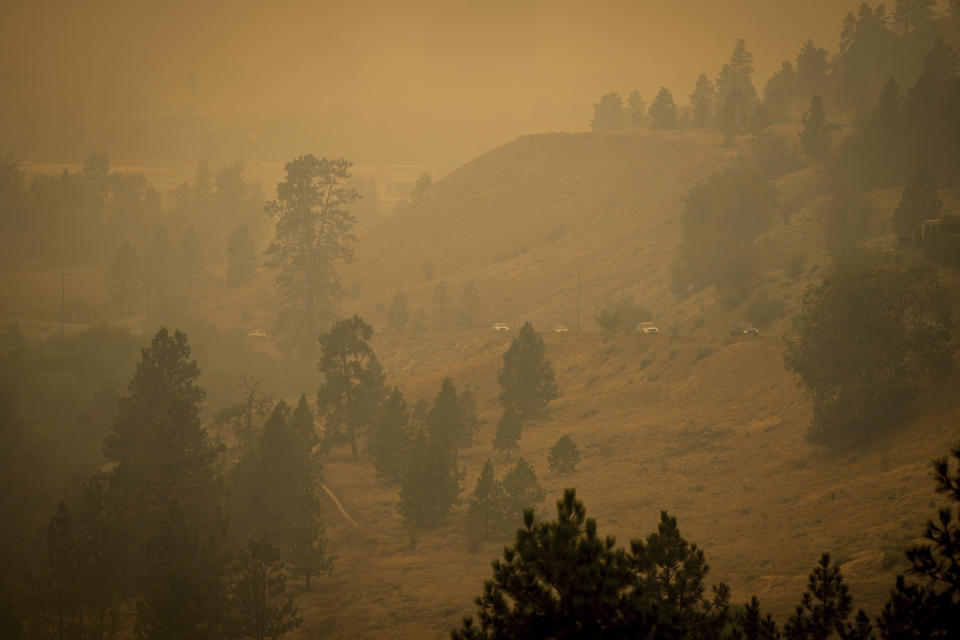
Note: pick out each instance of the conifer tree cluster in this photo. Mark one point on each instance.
(354, 386)
(560, 579)
(497, 506)
(153, 529)
(274, 485)
(431, 480)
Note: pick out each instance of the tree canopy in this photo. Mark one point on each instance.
(313, 235)
(527, 380)
(868, 337)
(354, 385)
(560, 579)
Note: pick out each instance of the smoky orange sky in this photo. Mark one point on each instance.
(426, 81)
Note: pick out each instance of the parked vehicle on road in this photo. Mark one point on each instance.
(648, 328)
(744, 329)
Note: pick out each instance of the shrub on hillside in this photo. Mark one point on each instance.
(773, 155)
(621, 315)
(764, 309)
(564, 456)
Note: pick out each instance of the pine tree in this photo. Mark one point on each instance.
(608, 114)
(307, 538)
(353, 389)
(185, 578)
(97, 539)
(275, 490)
(260, 583)
(816, 131)
(551, 566)
(124, 277)
(430, 484)
(920, 201)
(508, 433)
(562, 580)
(733, 117)
(663, 111)
(636, 109)
(163, 458)
(390, 438)
(527, 380)
(304, 432)
(930, 607)
(778, 92)
(911, 15)
(523, 491)
(702, 100)
(313, 236)
(737, 75)
(62, 585)
(564, 456)
(241, 260)
(884, 132)
(453, 418)
(487, 511)
(812, 68)
(825, 608)
(752, 625)
(167, 492)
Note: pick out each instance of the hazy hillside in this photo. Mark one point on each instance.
(523, 219)
(708, 427)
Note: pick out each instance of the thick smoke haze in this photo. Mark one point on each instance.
(427, 81)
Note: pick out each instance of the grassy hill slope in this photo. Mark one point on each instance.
(525, 219)
(709, 427)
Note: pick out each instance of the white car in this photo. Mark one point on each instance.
(257, 333)
(560, 328)
(647, 327)
(500, 326)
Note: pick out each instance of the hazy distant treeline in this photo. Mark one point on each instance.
(879, 57)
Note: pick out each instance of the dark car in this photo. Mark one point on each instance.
(744, 329)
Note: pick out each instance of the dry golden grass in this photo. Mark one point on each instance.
(718, 443)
